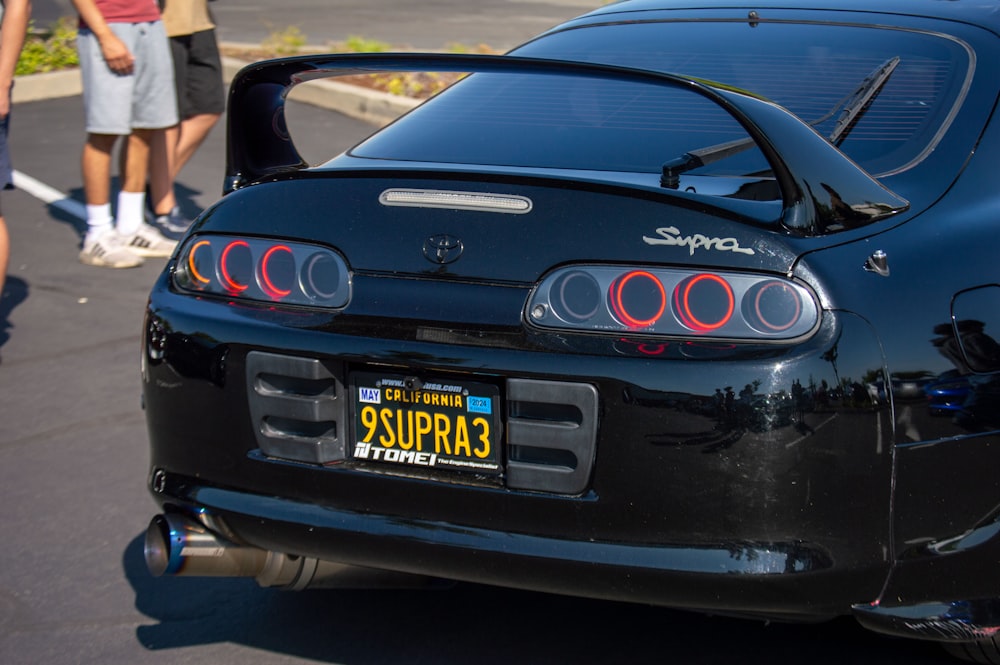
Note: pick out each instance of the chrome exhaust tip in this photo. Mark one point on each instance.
(178, 545)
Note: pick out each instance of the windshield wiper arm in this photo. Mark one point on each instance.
(852, 107)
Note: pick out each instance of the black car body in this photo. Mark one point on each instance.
(620, 315)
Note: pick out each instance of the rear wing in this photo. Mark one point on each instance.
(821, 187)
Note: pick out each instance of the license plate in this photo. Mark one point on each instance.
(438, 424)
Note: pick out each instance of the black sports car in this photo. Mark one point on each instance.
(644, 310)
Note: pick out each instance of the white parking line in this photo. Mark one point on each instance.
(49, 195)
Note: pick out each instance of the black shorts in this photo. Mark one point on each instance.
(198, 74)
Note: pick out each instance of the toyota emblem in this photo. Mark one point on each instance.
(442, 249)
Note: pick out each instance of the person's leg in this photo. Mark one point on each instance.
(96, 168)
(101, 245)
(160, 169)
(193, 132)
(140, 237)
(132, 197)
(6, 182)
(95, 165)
(162, 172)
(4, 253)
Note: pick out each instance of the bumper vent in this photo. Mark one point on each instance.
(298, 406)
(551, 434)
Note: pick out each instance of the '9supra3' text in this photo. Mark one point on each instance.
(420, 431)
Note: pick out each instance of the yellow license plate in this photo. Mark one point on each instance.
(440, 424)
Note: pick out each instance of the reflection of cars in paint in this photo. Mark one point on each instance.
(947, 394)
(909, 386)
(608, 317)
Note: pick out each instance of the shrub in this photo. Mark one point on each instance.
(49, 51)
(288, 41)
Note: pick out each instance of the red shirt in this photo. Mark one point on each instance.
(128, 11)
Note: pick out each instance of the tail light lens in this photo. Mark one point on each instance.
(673, 302)
(263, 270)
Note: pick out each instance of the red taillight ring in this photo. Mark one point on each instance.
(690, 320)
(268, 285)
(229, 282)
(619, 307)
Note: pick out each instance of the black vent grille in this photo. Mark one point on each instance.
(551, 434)
(298, 406)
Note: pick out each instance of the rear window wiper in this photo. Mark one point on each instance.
(858, 102)
(851, 107)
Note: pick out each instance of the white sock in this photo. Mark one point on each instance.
(130, 205)
(98, 219)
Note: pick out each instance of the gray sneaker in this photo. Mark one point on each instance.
(149, 242)
(107, 250)
(172, 225)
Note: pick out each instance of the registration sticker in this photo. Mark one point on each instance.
(432, 424)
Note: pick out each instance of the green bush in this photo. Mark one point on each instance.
(288, 41)
(358, 44)
(49, 51)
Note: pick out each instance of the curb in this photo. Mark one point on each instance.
(49, 85)
(373, 106)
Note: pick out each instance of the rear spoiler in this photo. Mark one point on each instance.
(821, 187)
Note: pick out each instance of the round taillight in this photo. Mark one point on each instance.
(575, 296)
(321, 276)
(276, 272)
(236, 266)
(638, 298)
(772, 307)
(200, 264)
(704, 302)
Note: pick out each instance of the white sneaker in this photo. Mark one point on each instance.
(147, 241)
(107, 250)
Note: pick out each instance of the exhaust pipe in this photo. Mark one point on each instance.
(177, 545)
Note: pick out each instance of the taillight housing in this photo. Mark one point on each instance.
(673, 302)
(264, 270)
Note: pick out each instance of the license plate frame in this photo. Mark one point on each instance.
(434, 424)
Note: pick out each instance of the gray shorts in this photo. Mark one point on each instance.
(146, 98)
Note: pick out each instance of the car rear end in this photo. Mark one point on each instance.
(499, 342)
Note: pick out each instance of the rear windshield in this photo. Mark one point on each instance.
(598, 124)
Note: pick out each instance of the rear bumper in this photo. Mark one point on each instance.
(781, 580)
(771, 503)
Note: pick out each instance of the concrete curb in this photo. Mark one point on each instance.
(50, 85)
(372, 106)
